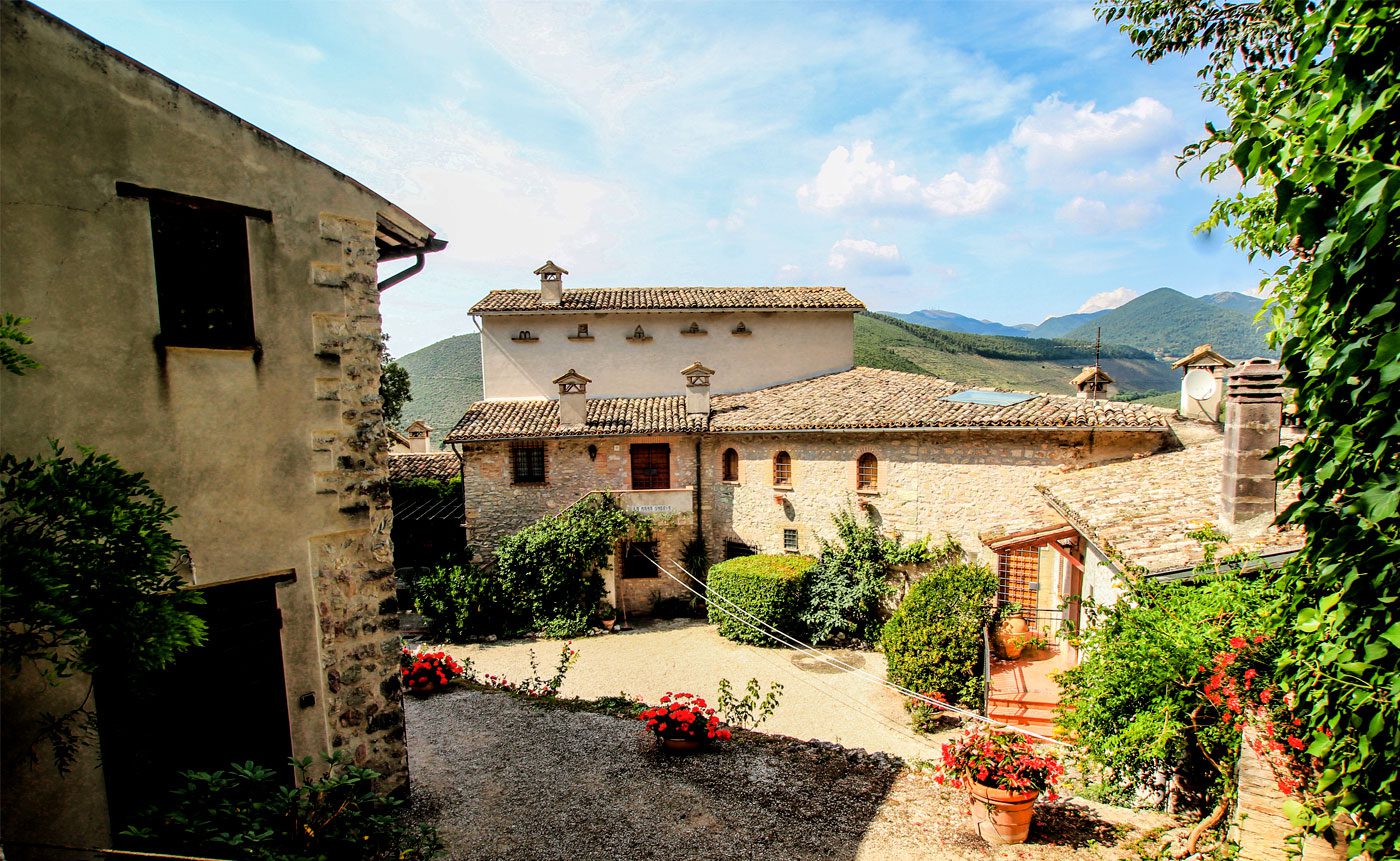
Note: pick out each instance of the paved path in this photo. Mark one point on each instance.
(819, 701)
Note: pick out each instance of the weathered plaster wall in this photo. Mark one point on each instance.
(784, 346)
(272, 457)
(959, 483)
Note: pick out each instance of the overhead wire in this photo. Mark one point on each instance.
(782, 638)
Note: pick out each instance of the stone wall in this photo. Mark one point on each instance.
(354, 572)
(959, 483)
(1258, 825)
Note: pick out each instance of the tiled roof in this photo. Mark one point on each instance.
(441, 464)
(539, 419)
(671, 299)
(1143, 508)
(874, 398)
(860, 398)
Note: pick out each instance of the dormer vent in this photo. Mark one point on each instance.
(573, 399)
(551, 284)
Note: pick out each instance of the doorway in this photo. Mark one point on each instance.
(651, 466)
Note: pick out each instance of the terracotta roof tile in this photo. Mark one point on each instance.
(861, 398)
(440, 464)
(1143, 508)
(875, 398)
(671, 299)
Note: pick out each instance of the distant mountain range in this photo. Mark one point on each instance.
(1165, 322)
(445, 379)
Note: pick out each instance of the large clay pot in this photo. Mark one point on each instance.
(1000, 815)
(681, 744)
(1011, 636)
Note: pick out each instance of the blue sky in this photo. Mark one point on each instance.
(1003, 160)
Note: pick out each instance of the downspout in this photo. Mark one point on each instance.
(699, 523)
(405, 274)
(462, 474)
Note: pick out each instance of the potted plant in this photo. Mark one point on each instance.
(684, 722)
(425, 672)
(1004, 774)
(607, 614)
(1012, 630)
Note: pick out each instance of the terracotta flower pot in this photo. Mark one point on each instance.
(1001, 816)
(681, 744)
(422, 690)
(1011, 636)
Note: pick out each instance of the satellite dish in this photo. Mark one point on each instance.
(1200, 384)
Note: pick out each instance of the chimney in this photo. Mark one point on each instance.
(697, 389)
(573, 400)
(1092, 384)
(551, 284)
(419, 436)
(1253, 415)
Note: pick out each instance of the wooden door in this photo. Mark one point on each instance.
(651, 466)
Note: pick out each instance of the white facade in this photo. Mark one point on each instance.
(773, 347)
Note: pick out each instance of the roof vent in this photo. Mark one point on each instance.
(551, 284)
(573, 399)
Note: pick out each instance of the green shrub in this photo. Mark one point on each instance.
(566, 627)
(768, 587)
(461, 599)
(933, 642)
(247, 812)
(550, 568)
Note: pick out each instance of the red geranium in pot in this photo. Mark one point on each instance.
(1004, 774)
(684, 722)
(425, 672)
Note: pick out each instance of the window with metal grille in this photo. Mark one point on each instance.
(1018, 580)
(527, 464)
(790, 540)
(203, 285)
(731, 465)
(782, 469)
(867, 472)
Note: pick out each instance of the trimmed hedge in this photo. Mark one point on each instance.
(933, 642)
(769, 587)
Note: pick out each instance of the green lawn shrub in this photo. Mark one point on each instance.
(460, 598)
(768, 587)
(933, 642)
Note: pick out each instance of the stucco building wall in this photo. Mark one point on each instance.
(782, 346)
(273, 456)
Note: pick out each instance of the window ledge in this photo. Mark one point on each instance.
(867, 491)
(783, 487)
(732, 482)
(580, 337)
(529, 484)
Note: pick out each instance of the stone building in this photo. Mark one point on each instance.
(204, 302)
(759, 468)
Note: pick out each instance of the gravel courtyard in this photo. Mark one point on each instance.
(819, 700)
(508, 780)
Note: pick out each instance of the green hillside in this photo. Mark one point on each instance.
(446, 379)
(1170, 323)
(1032, 364)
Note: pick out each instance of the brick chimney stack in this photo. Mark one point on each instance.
(419, 437)
(697, 389)
(551, 284)
(1253, 416)
(573, 400)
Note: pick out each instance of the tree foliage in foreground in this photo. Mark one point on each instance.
(395, 388)
(1309, 92)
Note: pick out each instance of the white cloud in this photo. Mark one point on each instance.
(737, 217)
(790, 269)
(852, 179)
(1061, 138)
(1095, 216)
(865, 257)
(1107, 299)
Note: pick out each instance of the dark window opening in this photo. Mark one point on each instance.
(638, 561)
(527, 464)
(203, 284)
(782, 469)
(651, 466)
(790, 540)
(731, 465)
(735, 549)
(867, 472)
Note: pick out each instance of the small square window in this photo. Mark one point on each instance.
(203, 285)
(527, 464)
(583, 330)
(790, 540)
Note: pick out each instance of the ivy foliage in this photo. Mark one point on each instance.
(1309, 91)
(933, 642)
(550, 569)
(847, 588)
(1134, 704)
(767, 587)
(247, 812)
(88, 576)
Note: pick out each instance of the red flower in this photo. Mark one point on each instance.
(1295, 742)
(1238, 642)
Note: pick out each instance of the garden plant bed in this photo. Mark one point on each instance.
(503, 778)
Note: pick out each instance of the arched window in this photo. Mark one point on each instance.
(867, 472)
(782, 469)
(731, 465)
